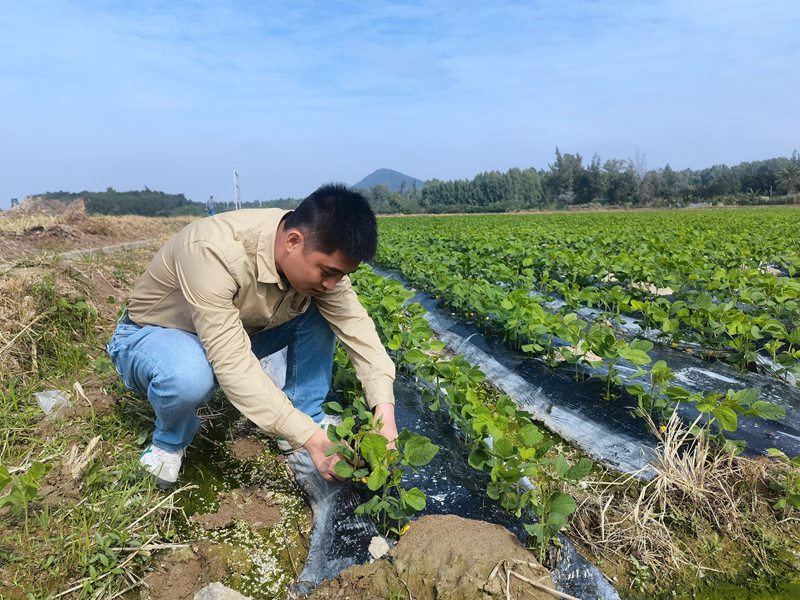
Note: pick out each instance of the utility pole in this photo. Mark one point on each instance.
(236, 199)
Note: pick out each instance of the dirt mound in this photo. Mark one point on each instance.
(39, 206)
(445, 556)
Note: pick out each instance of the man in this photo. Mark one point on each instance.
(227, 291)
(211, 205)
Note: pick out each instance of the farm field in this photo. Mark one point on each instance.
(597, 303)
(623, 302)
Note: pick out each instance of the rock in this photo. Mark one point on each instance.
(218, 591)
(378, 547)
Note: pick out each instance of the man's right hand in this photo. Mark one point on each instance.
(317, 445)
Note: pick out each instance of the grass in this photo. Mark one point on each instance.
(704, 519)
(87, 523)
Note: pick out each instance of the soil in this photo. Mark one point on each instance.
(247, 448)
(251, 505)
(183, 572)
(445, 556)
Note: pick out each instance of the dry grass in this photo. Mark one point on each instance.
(22, 223)
(698, 494)
(19, 315)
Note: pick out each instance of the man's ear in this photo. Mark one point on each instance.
(294, 240)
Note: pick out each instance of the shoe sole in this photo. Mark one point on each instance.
(164, 484)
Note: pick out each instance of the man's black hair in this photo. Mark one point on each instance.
(335, 217)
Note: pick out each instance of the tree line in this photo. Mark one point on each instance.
(568, 182)
(144, 202)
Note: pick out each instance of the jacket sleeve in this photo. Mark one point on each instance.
(209, 287)
(354, 327)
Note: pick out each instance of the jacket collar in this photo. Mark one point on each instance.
(267, 270)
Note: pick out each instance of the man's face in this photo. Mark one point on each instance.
(312, 272)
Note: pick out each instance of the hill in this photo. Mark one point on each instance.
(393, 180)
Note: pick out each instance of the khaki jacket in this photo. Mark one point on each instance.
(217, 278)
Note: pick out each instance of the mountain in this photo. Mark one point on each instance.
(391, 179)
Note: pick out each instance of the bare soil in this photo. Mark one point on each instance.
(250, 505)
(247, 448)
(445, 556)
(180, 574)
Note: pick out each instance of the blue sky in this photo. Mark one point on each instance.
(172, 95)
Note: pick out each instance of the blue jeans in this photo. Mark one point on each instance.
(170, 366)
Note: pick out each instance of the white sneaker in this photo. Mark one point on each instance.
(162, 464)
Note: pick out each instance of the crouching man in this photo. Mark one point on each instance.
(227, 291)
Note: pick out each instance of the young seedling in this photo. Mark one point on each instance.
(369, 458)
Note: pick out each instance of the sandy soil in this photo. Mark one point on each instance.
(445, 556)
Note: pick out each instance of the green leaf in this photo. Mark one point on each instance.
(503, 447)
(373, 449)
(4, 477)
(506, 406)
(561, 465)
(774, 452)
(493, 490)
(747, 396)
(377, 478)
(579, 470)
(415, 498)
(414, 356)
(537, 531)
(369, 507)
(706, 405)
(767, 410)
(530, 435)
(726, 417)
(332, 408)
(635, 356)
(419, 450)
(562, 504)
(343, 469)
(636, 390)
(477, 458)
(509, 500)
(678, 394)
(346, 428)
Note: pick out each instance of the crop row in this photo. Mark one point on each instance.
(729, 304)
(502, 439)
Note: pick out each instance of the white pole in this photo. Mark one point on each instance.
(236, 198)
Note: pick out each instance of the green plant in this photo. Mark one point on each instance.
(725, 410)
(370, 459)
(24, 489)
(789, 483)
(652, 399)
(551, 506)
(640, 574)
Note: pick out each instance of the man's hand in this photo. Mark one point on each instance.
(317, 445)
(385, 412)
